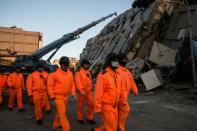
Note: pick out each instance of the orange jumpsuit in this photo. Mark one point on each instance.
(31, 99)
(60, 85)
(3, 84)
(84, 84)
(15, 82)
(107, 95)
(128, 84)
(47, 107)
(37, 89)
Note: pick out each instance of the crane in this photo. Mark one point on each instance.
(28, 62)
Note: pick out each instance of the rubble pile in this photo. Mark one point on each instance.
(157, 34)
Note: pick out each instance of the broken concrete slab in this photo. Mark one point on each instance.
(152, 79)
(162, 55)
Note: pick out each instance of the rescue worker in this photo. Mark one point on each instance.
(84, 89)
(37, 91)
(60, 85)
(128, 85)
(107, 94)
(31, 71)
(15, 82)
(47, 107)
(3, 84)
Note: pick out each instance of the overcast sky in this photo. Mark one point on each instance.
(54, 18)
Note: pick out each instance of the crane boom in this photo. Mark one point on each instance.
(66, 38)
(29, 61)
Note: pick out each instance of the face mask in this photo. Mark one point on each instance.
(114, 64)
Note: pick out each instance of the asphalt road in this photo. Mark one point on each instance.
(153, 111)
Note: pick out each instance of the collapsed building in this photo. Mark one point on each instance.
(16, 42)
(158, 34)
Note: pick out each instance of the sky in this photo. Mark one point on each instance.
(54, 18)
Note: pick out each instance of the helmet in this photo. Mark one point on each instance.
(85, 61)
(17, 67)
(122, 58)
(40, 64)
(64, 60)
(110, 57)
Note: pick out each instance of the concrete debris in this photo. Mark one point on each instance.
(162, 55)
(168, 72)
(116, 35)
(152, 79)
(136, 66)
(156, 37)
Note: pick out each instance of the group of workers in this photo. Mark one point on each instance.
(110, 99)
(15, 82)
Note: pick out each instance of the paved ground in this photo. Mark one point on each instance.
(154, 111)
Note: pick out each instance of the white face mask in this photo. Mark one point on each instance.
(114, 64)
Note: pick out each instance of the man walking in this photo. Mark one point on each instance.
(128, 85)
(37, 90)
(15, 82)
(84, 89)
(107, 94)
(60, 85)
